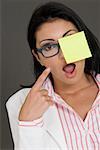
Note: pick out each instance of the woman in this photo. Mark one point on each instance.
(61, 111)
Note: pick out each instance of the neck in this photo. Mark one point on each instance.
(61, 87)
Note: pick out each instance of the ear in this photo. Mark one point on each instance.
(37, 57)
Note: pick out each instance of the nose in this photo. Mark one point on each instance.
(61, 54)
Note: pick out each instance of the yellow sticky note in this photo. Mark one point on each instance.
(75, 47)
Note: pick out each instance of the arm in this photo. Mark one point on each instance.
(26, 135)
(28, 106)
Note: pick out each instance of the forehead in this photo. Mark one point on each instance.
(53, 28)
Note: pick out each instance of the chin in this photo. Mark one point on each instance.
(74, 80)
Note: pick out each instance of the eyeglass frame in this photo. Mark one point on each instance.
(41, 49)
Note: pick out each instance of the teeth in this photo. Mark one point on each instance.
(70, 64)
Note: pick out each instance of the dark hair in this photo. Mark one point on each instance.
(53, 10)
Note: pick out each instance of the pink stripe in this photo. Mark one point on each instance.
(62, 125)
(79, 124)
(99, 111)
(82, 123)
(32, 124)
(48, 87)
(39, 122)
(68, 128)
(88, 123)
(26, 125)
(74, 130)
(92, 122)
(97, 139)
(79, 132)
(94, 130)
(51, 90)
(29, 125)
(92, 141)
(93, 127)
(98, 82)
(86, 142)
(96, 119)
(97, 101)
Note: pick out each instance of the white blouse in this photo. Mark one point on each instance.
(60, 127)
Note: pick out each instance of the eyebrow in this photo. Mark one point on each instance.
(68, 32)
(62, 35)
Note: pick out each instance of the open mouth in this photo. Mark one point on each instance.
(69, 68)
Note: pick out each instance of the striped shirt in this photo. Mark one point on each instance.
(78, 134)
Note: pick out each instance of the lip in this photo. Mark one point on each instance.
(71, 74)
(72, 65)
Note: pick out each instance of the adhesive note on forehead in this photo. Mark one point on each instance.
(75, 47)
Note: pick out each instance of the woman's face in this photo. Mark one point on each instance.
(68, 74)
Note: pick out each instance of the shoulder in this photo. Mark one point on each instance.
(17, 99)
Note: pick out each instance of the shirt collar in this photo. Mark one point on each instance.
(97, 99)
(57, 98)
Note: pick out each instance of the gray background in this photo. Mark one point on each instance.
(16, 62)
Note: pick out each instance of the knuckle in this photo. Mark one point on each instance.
(44, 91)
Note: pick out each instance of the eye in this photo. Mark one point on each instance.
(49, 47)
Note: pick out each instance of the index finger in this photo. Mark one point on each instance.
(41, 79)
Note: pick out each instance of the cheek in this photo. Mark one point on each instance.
(43, 60)
(53, 63)
(81, 66)
(48, 62)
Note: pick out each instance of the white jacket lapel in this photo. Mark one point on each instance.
(52, 125)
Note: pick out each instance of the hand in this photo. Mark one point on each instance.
(37, 101)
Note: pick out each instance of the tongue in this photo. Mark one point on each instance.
(69, 68)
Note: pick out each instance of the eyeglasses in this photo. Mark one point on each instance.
(49, 50)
